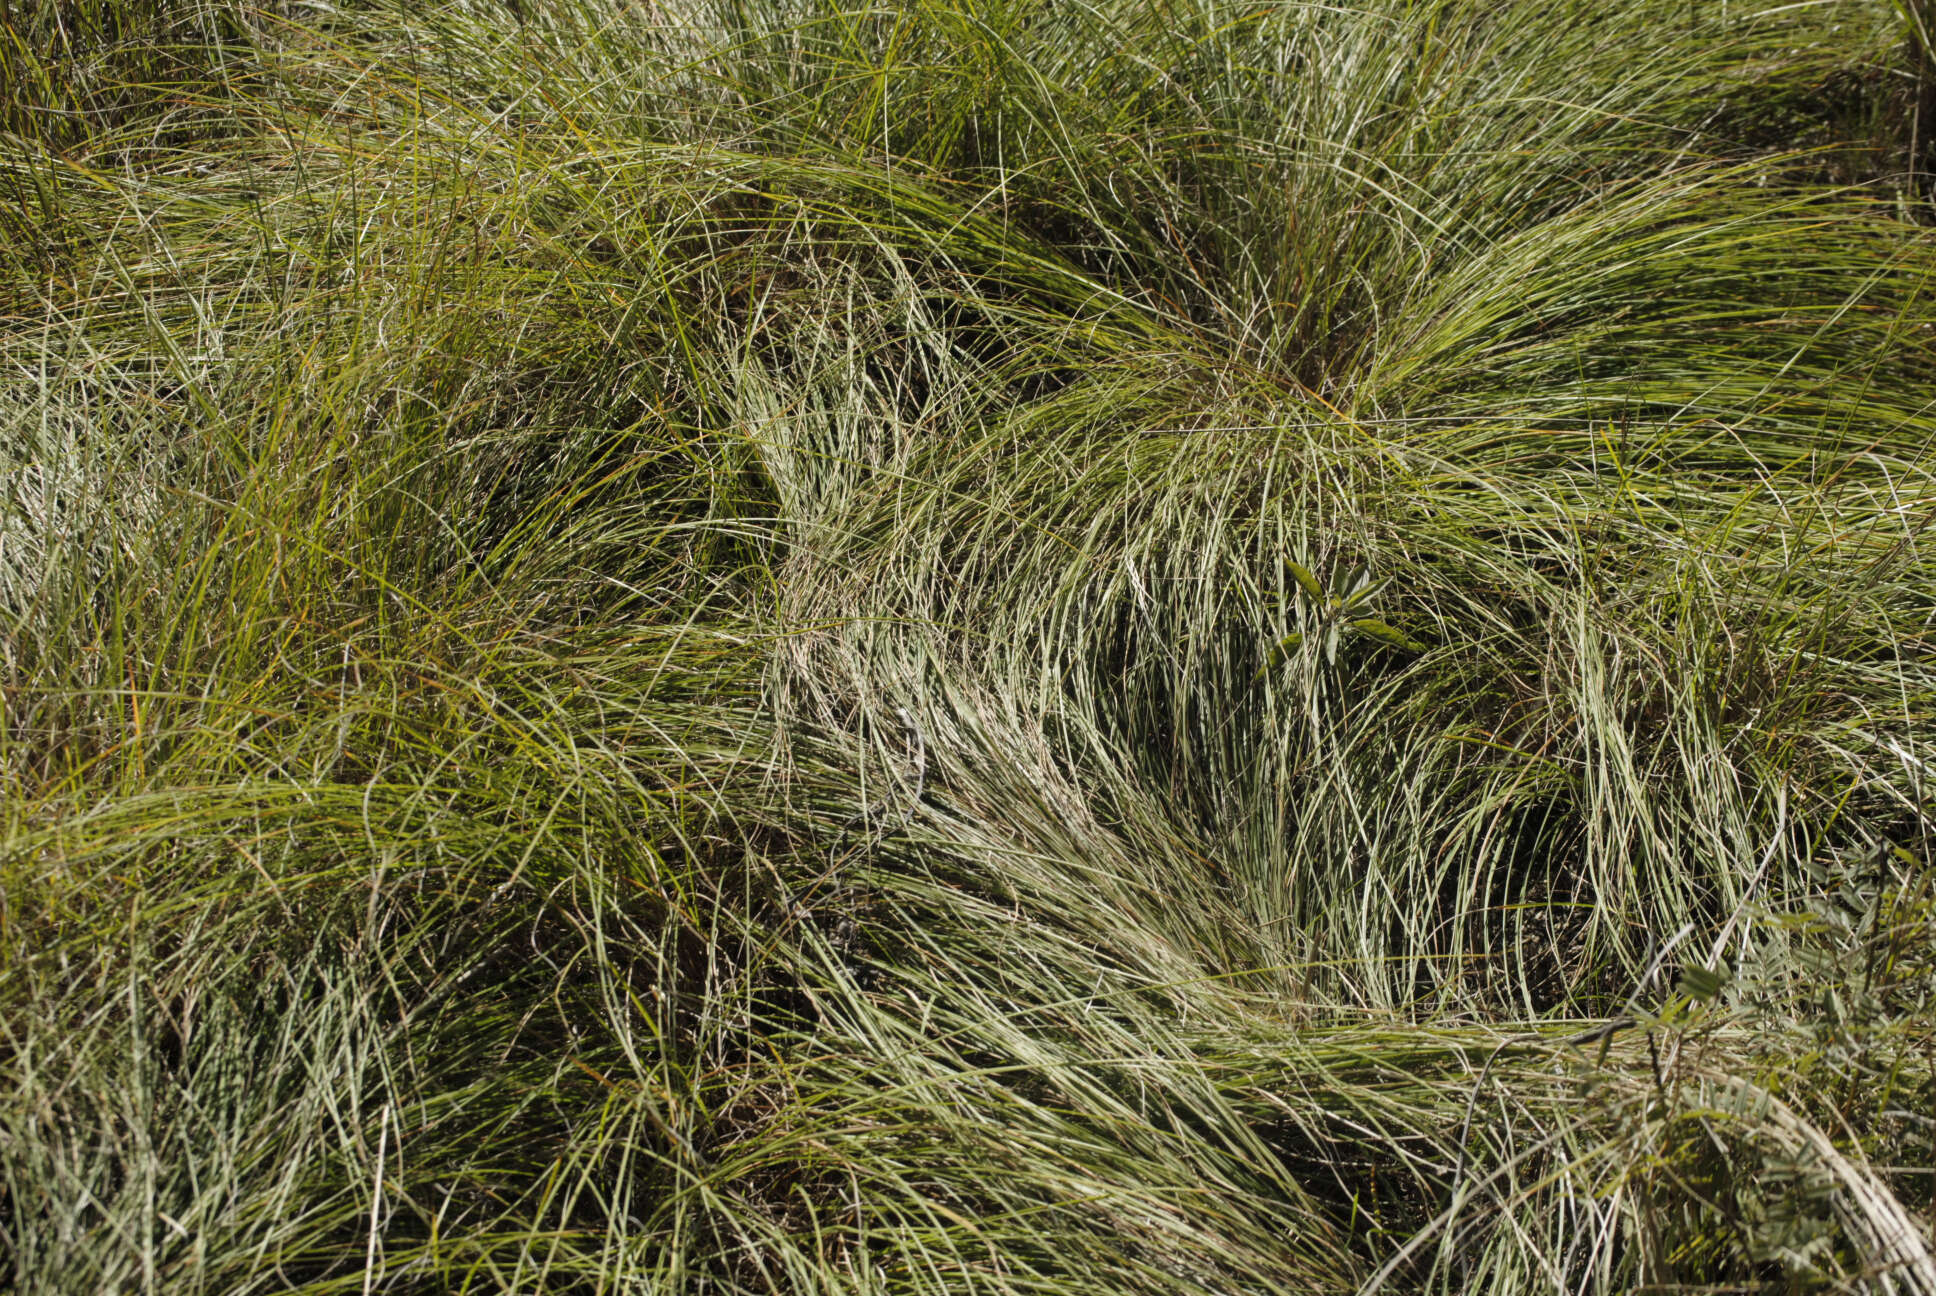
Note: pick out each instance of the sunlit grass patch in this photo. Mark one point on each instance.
(1007, 647)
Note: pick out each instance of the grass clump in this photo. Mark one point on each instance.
(983, 647)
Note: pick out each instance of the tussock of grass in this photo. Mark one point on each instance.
(986, 647)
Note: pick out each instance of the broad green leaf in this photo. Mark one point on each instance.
(1306, 581)
(1279, 654)
(1702, 984)
(1384, 633)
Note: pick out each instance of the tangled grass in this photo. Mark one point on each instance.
(990, 645)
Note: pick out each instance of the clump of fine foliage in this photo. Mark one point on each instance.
(990, 646)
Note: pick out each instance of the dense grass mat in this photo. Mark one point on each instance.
(984, 646)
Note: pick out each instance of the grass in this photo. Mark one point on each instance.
(977, 646)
